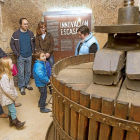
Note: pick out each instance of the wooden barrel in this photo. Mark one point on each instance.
(80, 116)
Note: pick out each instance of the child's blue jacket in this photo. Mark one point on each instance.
(40, 73)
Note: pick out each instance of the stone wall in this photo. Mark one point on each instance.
(104, 13)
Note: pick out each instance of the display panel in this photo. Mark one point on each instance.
(63, 25)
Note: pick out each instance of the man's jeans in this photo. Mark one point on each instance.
(43, 97)
(24, 71)
(12, 111)
(1, 110)
(51, 61)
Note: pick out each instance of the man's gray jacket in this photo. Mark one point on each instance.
(14, 43)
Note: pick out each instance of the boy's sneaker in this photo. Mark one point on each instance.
(45, 104)
(22, 91)
(46, 110)
(29, 87)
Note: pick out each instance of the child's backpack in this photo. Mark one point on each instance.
(48, 67)
(14, 70)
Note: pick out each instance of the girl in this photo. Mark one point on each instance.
(8, 93)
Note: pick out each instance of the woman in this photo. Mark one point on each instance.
(88, 43)
(44, 41)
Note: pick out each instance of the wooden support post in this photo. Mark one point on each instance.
(61, 104)
(134, 116)
(67, 109)
(121, 111)
(107, 108)
(95, 104)
(83, 121)
(75, 96)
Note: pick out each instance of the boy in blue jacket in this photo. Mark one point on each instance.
(41, 79)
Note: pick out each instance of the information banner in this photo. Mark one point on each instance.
(63, 26)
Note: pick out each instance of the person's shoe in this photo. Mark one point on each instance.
(17, 123)
(18, 104)
(46, 110)
(10, 121)
(22, 91)
(4, 115)
(45, 104)
(29, 87)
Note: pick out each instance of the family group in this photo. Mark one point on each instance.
(25, 46)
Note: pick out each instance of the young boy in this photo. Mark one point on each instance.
(41, 79)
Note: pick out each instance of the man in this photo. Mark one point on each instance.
(88, 43)
(23, 45)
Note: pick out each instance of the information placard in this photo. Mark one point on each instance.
(63, 25)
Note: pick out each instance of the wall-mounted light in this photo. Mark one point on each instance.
(66, 12)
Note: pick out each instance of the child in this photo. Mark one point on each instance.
(8, 93)
(41, 79)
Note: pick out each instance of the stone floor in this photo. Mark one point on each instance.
(36, 123)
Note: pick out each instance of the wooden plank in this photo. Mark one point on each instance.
(54, 96)
(107, 108)
(91, 57)
(105, 91)
(104, 64)
(133, 65)
(57, 135)
(67, 110)
(56, 68)
(95, 104)
(75, 96)
(73, 60)
(61, 104)
(61, 137)
(77, 60)
(133, 84)
(56, 101)
(81, 58)
(121, 111)
(83, 121)
(87, 58)
(66, 62)
(134, 116)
